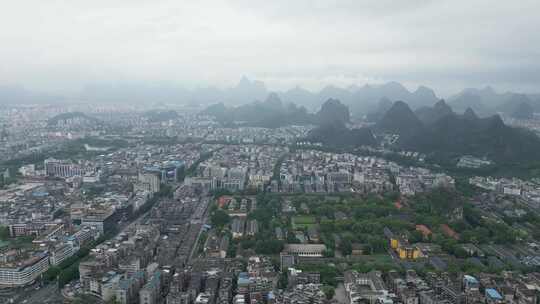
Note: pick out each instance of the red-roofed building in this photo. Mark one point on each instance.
(224, 201)
(423, 229)
(449, 232)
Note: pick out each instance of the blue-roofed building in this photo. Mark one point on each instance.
(124, 292)
(40, 194)
(493, 296)
(169, 171)
(243, 283)
(470, 283)
(139, 276)
(271, 296)
(150, 293)
(469, 278)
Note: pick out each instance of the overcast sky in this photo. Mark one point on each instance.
(58, 45)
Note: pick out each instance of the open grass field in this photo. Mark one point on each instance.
(303, 221)
(375, 258)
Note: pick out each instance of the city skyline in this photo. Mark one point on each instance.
(277, 152)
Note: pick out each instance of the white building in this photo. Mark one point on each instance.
(151, 180)
(305, 250)
(61, 168)
(28, 170)
(25, 272)
(61, 252)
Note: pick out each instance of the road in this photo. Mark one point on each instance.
(203, 221)
(48, 294)
(341, 294)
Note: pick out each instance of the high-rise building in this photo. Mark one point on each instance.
(151, 180)
(62, 168)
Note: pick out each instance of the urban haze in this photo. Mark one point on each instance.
(274, 152)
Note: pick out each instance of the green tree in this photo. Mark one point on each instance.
(4, 233)
(69, 274)
(377, 245)
(345, 246)
(269, 246)
(112, 301)
(328, 253)
(329, 292)
(231, 251)
(51, 274)
(283, 280)
(220, 218)
(416, 236)
(460, 252)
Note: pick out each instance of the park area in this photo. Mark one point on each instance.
(303, 221)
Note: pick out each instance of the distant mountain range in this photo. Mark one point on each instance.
(429, 115)
(69, 115)
(440, 132)
(330, 120)
(338, 136)
(359, 99)
(270, 113)
(436, 130)
(160, 115)
(274, 113)
(364, 100)
(399, 119)
(487, 102)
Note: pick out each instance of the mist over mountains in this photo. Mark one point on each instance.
(464, 124)
(436, 130)
(361, 100)
(12, 95)
(270, 113)
(487, 102)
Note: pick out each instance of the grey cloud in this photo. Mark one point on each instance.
(62, 45)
